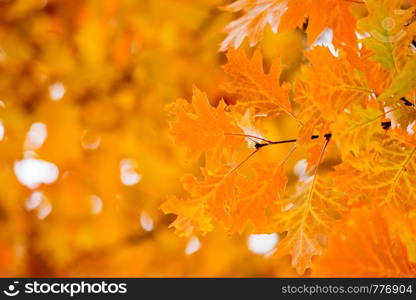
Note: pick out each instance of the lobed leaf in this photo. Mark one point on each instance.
(307, 220)
(366, 246)
(256, 89)
(202, 128)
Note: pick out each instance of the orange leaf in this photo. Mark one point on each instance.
(258, 194)
(228, 197)
(255, 88)
(210, 193)
(307, 218)
(368, 247)
(334, 14)
(334, 83)
(385, 173)
(204, 129)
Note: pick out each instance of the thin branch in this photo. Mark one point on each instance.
(321, 155)
(242, 162)
(249, 136)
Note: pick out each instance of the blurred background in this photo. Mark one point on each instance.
(85, 154)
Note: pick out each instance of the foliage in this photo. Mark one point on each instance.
(350, 107)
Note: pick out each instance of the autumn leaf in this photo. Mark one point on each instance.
(330, 86)
(259, 198)
(403, 84)
(403, 112)
(307, 218)
(228, 197)
(404, 223)
(366, 246)
(223, 194)
(332, 14)
(359, 99)
(313, 122)
(388, 33)
(255, 88)
(257, 15)
(334, 83)
(204, 129)
(357, 130)
(376, 76)
(314, 150)
(290, 14)
(384, 174)
(208, 195)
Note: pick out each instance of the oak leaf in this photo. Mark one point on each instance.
(385, 173)
(402, 84)
(255, 88)
(223, 194)
(355, 132)
(257, 15)
(332, 14)
(403, 113)
(228, 197)
(334, 83)
(388, 33)
(202, 128)
(259, 195)
(307, 218)
(366, 246)
(376, 76)
(208, 197)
